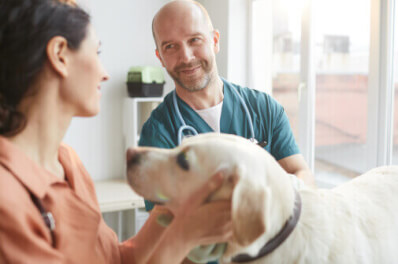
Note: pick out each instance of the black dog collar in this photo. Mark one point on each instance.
(277, 240)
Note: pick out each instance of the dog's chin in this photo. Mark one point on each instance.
(149, 198)
(156, 202)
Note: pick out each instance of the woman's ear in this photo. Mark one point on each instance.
(57, 49)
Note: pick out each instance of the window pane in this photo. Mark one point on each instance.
(395, 124)
(286, 39)
(341, 64)
(342, 55)
(395, 129)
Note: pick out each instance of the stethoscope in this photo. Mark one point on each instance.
(193, 130)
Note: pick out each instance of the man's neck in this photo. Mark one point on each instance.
(207, 97)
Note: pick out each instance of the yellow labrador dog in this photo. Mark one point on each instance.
(276, 218)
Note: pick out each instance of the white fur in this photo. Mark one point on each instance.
(356, 222)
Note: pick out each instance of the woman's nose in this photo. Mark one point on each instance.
(106, 76)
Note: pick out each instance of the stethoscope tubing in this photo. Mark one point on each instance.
(249, 117)
(193, 130)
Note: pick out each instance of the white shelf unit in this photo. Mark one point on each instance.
(124, 210)
(136, 110)
(116, 196)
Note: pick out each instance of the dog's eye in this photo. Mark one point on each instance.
(182, 161)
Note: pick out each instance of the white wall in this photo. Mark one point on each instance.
(238, 36)
(230, 17)
(218, 12)
(124, 28)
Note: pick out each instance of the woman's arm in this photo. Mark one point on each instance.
(194, 223)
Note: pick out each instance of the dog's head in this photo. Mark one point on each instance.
(171, 175)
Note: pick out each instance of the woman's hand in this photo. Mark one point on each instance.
(200, 223)
(195, 223)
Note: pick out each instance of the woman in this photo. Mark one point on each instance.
(49, 73)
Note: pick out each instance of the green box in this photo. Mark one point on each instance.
(145, 81)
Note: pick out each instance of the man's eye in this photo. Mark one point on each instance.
(194, 40)
(182, 161)
(169, 46)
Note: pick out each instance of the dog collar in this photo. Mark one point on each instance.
(277, 240)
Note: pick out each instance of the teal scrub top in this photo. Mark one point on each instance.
(270, 122)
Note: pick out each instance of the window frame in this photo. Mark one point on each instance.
(381, 84)
(379, 145)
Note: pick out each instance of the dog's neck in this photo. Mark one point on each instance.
(280, 214)
(283, 197)
(282, 189)
(277, 240)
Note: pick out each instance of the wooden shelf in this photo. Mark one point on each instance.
(116, 195)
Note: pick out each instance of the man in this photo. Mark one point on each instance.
(186, 45)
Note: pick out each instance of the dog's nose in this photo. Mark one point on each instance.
(132, 156)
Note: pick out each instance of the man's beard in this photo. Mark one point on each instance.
(193, 84)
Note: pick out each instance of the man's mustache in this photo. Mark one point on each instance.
(185, 66)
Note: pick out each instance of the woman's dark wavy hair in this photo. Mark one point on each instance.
(26, 26)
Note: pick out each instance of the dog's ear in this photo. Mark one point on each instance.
(250, 203)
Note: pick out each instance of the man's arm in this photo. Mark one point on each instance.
(295, 164)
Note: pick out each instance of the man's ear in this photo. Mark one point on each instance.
(250, 206)
(160, 58)
(57, 49)
(216, 40)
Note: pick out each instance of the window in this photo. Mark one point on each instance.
(276, 49)
(343, 50)
(341, 68)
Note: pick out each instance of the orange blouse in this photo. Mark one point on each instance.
(81, 235)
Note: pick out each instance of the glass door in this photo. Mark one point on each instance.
(276, 52)
(282, 62)
(342, 44)
(314, 54)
